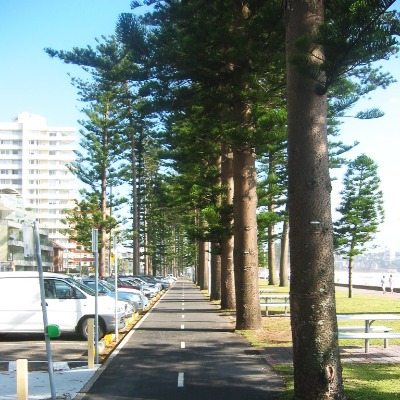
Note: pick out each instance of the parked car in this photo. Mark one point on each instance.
(123, 294)
(149, 290)
(132, 289)
(122, 284)
(68, 304)
(166, 279)
(128, 308)
(152, 279)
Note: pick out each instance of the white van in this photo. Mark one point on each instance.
(68, 305)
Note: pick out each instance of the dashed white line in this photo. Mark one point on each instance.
(181, 378)
(183, 345)
(182, 326)
(183, 315)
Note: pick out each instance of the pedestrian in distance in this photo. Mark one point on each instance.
(391, 283)
(383, 284)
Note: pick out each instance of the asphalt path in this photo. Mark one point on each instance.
(185, 349)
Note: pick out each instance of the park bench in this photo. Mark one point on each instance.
(368, 331)
(361, 328)
(370, 335)
(269, 304)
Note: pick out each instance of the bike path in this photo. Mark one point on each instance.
(184, 349)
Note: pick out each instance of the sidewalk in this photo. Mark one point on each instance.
(67, 383)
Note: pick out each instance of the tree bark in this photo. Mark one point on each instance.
(272, 279)
(103, 201)
(248, 315)
(228, 300)
(215, 292)
(316, 358)
(283, 267)
(215, 284)
(203, 265)
(350, 277)
(135, 209)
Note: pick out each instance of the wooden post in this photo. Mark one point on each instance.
(90, 326)
(22, 379)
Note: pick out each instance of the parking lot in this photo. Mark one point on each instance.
(66, 348)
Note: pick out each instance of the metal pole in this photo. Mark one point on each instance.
(95, 250)
(44, 310)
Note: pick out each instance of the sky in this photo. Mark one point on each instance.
(31, 81)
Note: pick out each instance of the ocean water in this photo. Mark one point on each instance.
(367, 278)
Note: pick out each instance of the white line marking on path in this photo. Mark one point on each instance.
(182, 326)
(183, 345)
(183, 316)
(181, 377)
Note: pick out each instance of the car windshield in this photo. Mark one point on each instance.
(130, 282)
(81, 286)
(140, 280)
(107, 285)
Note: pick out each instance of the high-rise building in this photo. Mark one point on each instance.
(33, 161)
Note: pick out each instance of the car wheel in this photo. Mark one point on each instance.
(83, 329)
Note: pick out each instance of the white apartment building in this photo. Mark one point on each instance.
(33, 159)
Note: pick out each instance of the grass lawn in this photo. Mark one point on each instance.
(362, 381)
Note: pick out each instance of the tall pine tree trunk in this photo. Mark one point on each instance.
(215, 284)
(350, 277)
(316, 358)
(272, 278)
(103, 199)
(228, 300)
(203, 265)
(283, 268)
(135, 209)
(248, 315)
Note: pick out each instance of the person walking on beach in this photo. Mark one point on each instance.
(383, 284)
(391, 283)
